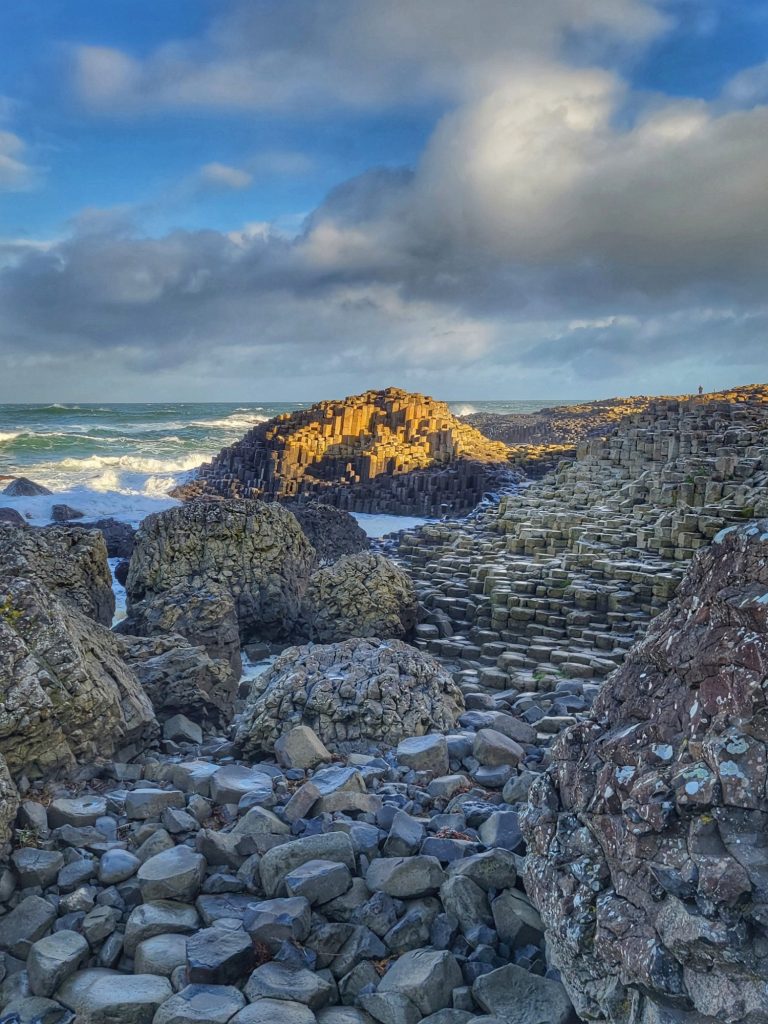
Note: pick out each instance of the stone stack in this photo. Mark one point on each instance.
(561, 578)
(383, 451)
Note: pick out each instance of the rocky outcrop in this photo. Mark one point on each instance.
(178, 677)
(9, 804)
(648, 838)
(382, 451)
(12, 517)
(331, 532)
(65, 693)
(558, 581)
(118, 537)
(21, 487)
(220, 574)
(359, 595)
(69, 562)
(355, 695)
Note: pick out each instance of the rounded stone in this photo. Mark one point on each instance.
(175, 874)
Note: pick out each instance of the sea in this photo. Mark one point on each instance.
(120, 460)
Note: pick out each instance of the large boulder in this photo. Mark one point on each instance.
(648, 837)
(65, 692)
(356, 695)
(12, 517)
(181, 678)
(71, 562)
(208, 569)
(332, 532)
(363, 595)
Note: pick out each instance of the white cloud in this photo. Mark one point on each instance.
(224, 176)
(16, 173)
(294, 56)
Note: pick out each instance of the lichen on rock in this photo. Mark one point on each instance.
(648, 838)
(363, 595)
(65, 692)
(357, 694)
(218, 573)
(71, 562)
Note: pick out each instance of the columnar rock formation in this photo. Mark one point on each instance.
(384, 451)
(562, 578)
(648, 854)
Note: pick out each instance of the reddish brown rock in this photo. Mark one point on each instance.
(648, 838)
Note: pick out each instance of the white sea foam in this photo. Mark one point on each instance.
(378, 525)
(463, 410)
(237, 421)
(9, 435)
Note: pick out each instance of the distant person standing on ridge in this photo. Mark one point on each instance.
(701, 390)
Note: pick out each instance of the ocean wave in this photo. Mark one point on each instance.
(134, 463)
(10, 435)
(235, 420)
(462, 409)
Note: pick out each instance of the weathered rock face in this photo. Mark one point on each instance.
(331, 532)
(648, 840)
(69, 562)
(117, 536)
(65, 693)
(354, 694)
(402, 452)
(9, 804)
(359, 595)
(218, 573)
(179, 677)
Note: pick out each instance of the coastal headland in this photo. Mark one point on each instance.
(508, 766)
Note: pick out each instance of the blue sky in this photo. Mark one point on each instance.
(472, 197)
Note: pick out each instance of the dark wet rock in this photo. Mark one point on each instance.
(11, 517)
(65, 513)
(331, 531)
(21, 487)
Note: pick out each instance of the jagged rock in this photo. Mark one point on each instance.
(180, 677)
(12, 517)
(331, 531)
(384, 451)
(119, 537)
(65, 513)
(648, 839)
(21, 487)
(9, 797)
(71, 563)
(218, 573)
(352, 694)
(65, 693)
(359, 595)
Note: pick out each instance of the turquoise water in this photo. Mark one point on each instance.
(122, 459)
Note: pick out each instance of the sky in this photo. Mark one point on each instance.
(291, 200)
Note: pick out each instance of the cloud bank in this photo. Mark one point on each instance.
(557, 237)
